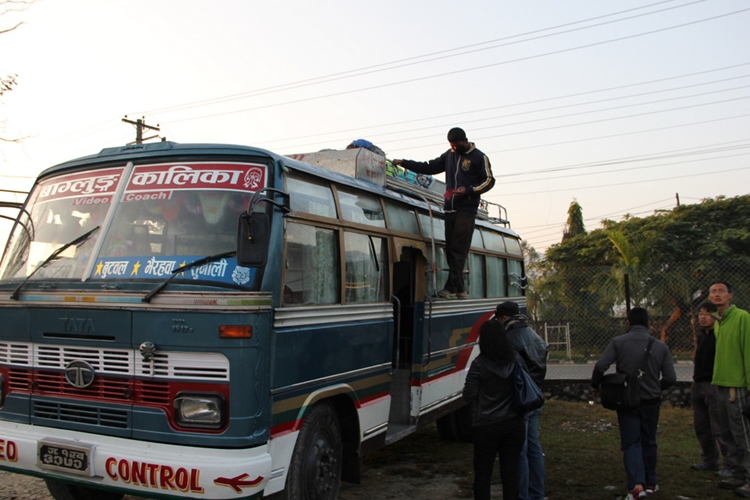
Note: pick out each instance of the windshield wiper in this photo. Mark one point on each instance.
(53, 256)
(175, 272)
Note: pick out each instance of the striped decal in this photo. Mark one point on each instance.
(245, 301)
(364, 390)
(452, 361)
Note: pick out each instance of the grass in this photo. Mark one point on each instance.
(582, 450)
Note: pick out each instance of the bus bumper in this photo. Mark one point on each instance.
(134, 467)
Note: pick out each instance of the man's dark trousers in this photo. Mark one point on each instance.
(459, 229)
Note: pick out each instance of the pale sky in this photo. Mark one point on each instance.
(620, 105)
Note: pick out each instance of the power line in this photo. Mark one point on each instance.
(675, 153)
(461, 71)
(620, 183)
(399, 62)
(537, 101)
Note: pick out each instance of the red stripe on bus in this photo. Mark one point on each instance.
(463, 357)
(371, 400)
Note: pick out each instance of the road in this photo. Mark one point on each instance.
(579, 371)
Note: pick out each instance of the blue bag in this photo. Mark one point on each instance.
(527, 396)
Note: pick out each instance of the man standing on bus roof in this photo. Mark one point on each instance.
(468, 175)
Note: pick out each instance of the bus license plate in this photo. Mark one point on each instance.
(63, 456)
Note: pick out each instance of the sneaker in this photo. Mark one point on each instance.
(638, 492)
(704, 466)
(731, 483)
(724, 472)
(650, 490)
(743, 491)
(462, 295)
(445, 294)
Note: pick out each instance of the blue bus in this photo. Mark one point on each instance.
(219, 321)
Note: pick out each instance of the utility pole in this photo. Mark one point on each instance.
(677, 197)
(140, 124)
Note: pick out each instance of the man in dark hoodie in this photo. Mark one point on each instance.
(467, 176)
(533, 350)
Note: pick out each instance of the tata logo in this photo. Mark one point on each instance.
(79, 374)
(78, 325)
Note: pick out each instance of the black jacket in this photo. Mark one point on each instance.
(470, 170)
(529, 345)
(705, 351)
(490, 387)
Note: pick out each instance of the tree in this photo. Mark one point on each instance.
(634, 254)
(672, 258)
(532, 261)
(574, 226)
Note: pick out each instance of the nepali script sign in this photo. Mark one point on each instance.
(223, 176)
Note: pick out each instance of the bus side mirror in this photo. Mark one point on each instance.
(253, 239)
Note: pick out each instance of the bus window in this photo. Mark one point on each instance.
(515, 271)
(493, 241)
(441, 271)
(401, 218)
(476, 275)
(476, 239)
(310, 197)
(361, 208)
(496, 278)
(311, 275)
(62, 208)
(432, 228)
(513, 246)
(366, 268)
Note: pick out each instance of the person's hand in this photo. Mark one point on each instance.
(461, 191)
(397, 162)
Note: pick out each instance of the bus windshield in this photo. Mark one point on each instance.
(163, 217)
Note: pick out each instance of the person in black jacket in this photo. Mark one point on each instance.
(468, 175)
(498, 428)
(703, 396)
(533, 349)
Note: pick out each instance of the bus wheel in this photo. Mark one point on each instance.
(456, 426)
(65, 491)
(315, 470)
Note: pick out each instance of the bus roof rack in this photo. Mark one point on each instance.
(493, 212)
(364, 164)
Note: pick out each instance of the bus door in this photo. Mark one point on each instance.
(408, 309)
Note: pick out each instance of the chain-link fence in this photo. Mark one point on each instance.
(579, 309)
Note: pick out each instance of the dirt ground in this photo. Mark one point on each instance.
(397, 472)
(376, 484)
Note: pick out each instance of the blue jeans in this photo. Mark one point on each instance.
(531, 464)
(638, 444)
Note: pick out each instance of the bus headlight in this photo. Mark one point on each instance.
(205, 411)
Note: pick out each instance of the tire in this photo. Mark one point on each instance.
(456, 426)
(66, 491)
(315, 469)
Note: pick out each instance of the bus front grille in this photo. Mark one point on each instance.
(80, 414)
